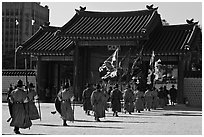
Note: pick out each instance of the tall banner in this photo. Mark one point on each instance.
(110, 65)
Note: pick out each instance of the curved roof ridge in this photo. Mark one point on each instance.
(92, 13)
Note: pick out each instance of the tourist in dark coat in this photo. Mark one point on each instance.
(86, 96)
(173, 95)
(115, 97)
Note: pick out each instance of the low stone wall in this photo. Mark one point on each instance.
(193, 91)
(7, 80)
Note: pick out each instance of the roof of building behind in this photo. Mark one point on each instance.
(46, 42)
(171, 39)
(111, 25)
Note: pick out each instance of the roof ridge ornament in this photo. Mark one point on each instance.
(150, 7)
(191, 22)
(80, 10)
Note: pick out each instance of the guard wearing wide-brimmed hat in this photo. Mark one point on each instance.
(115, 97)
(32, 96)
(20, 115)
(97, 101)
(86, 95)
(128, 97)
(65, 96)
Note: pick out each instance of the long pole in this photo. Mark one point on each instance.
(15, 57)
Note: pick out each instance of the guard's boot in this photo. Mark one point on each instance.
(16, 130)
(64, 123)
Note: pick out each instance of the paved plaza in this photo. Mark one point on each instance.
(178, 120)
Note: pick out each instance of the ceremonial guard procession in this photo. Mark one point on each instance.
(109, 62)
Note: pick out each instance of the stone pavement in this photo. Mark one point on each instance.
(173, 120)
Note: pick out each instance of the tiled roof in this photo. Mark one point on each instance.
(170, 39)
(18, 73)
(46, 42)
(111, 25)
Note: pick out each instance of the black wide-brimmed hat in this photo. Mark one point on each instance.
(31, 85)
(98, 86)
(19, 83)
(66, 85)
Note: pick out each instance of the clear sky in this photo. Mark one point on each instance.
(172, 12)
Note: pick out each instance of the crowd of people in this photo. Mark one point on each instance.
(96, 98)
(132, 99)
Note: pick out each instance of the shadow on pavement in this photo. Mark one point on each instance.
(183, 114)
(111, 121)
(82, 126)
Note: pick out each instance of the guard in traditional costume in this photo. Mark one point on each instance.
(20, 112)
(65, 97)
(86, 96)
(32, 96)
(139, 104)
(97, 101)
(155, 98)
(128, 97)
(148, 98)
(115, 98)
(10, 89)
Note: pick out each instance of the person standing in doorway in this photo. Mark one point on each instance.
(173, 95)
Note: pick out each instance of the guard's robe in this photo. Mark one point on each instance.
(115, 97)
(128, 97)
(139, 104)
(87, 99)
(155, 99)
(33, 112)
(148, 99)
(65, 97)
(98, 100)
(20, 112)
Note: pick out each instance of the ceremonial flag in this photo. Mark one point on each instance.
(110, 64)
(150, 76)
(158, 72)
(136, 66)
(124, 63)
(151, 63)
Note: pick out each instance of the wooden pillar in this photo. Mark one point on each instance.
(181, 66)
(76, 74)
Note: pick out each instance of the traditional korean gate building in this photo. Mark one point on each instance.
(89, 38)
